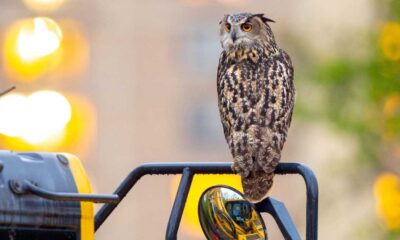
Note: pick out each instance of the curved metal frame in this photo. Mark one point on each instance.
(189, 169)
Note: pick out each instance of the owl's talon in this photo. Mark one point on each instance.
(235, 168)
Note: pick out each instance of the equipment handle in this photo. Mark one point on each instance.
(24, 187)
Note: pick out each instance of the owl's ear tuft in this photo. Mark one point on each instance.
(224, 18)
(263, 18)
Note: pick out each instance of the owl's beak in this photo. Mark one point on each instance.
(233, 36)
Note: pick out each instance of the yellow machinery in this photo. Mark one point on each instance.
(45, 196)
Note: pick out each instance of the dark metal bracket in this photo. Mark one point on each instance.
(269, 205)
(7, 91)
(23, 187)
(281, 215)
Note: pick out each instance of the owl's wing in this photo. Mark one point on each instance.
(289, 98)
(222, 101)
(280, 79)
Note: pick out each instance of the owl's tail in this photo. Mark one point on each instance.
(256, 185)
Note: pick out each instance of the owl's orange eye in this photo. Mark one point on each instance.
(227, 27)
(247, 27)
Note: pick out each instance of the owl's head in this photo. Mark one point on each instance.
(245, 30)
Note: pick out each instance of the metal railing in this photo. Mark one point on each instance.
(269, 205)
(188, 170)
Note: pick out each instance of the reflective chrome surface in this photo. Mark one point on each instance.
(225, 215)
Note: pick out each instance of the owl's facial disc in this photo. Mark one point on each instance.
(238, 33)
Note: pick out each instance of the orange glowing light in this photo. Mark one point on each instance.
(72, 130)
(81, 130)
(12, 116)
(391, 105)
(390, 41)
(44, 5)
(387, 196)
(42, 40)
(190, 220)
(74, 49)
(31, 48)
(35, 118)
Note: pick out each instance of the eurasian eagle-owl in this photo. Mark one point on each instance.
(256, 96)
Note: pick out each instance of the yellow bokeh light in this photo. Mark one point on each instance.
(34, 118)
(44, 5)
(76, 136)
(390, 41)
(387, 196)
(48, 113)
(391, 105)
(190, 220)
(81, 130)
(74, 49)
(391, 111)
(12, 117)
(32, 48)
(43, 39)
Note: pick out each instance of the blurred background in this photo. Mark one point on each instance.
(120, 83)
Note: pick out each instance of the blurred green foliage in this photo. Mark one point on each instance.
(362, 95)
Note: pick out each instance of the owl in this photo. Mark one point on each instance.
(256, 96)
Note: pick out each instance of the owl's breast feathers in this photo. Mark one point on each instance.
(256, 96)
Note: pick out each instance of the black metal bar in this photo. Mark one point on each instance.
(179, 204)
(218, 168)
(157, 168)
(312, 194)
(282, 217)
(7, 91)
(26, 187)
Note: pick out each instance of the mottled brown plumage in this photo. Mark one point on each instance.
(256, 98)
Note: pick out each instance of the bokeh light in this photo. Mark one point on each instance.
(31, 48)
(42, 40)
(387, 196)
(74, 49)
(48, 113)
(391, 110)
(12, 117)
(190, 220)
(390, 41)
(80, 132)
(391, 105)
(34, 118)
(75, 136)
(44, 5)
